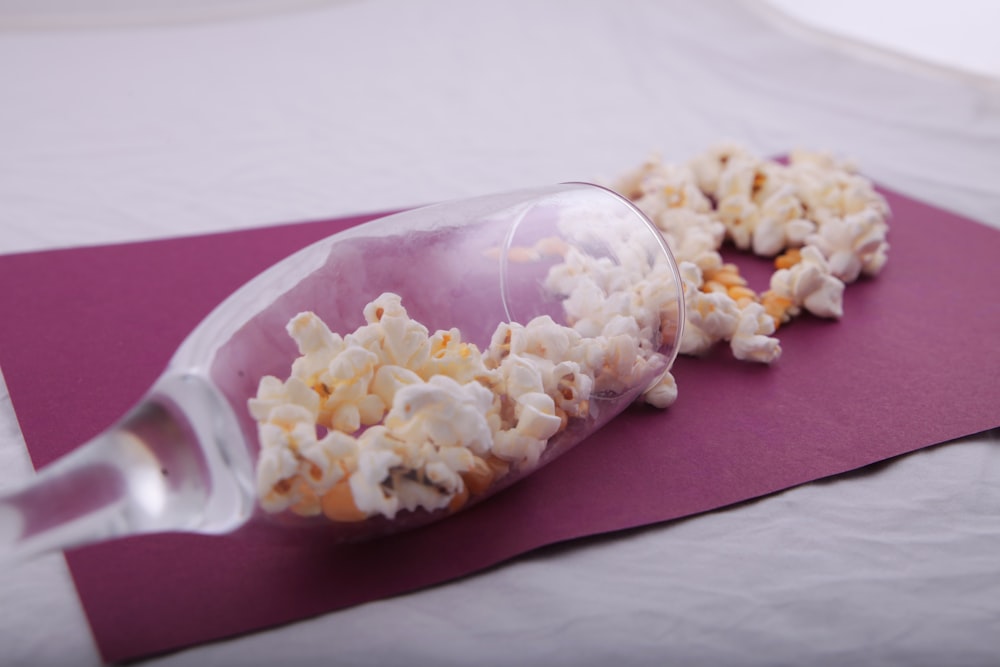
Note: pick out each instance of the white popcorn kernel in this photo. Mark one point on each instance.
(571, 387)
(411, 495)
(331, 457)
(662, 187)
(780, 223)
(521, 376)
(663, 394)
(442, 412)
(518, 448)
(346, 417)
(621, 358)
(289, 416)
(543, 338)
(369, 482)
(449, 355)
(317, 345)
(371, 409)
(876, 260)
(443, 476)
(811, 285)
(536, 416)
(848, 243)
(714, 313)
(708, 166)
(459, 459)
(752, 339)
(274, 465)
(698, 246)
(273, 393)
(390, 379)
(312, 336)
(739, 214)
(349, 373)
(372, 499)
(387, 303)
(404, 341)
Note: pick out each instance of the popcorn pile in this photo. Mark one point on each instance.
(392, 417)
(825, 223)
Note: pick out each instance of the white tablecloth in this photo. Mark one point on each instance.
(152, 129)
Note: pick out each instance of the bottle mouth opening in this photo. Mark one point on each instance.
(593, 223)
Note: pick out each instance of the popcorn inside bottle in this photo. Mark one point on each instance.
(392, 419)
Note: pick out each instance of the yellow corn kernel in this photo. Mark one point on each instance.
(459, 499)
(552, 245)
(710, 286)
(741, 292)
(777, 307)
(727, 274)
(479, 477)
(338, 504)
(790, 258)
(522, 255)
(499, 467)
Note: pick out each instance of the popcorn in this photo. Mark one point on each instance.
(751, 340)
(316, 343)
(708, 167)
(810, 284)
(448, 355)
(780, 223)
(657, 187)
(853, 244)
(663, 393)
(772, 209)
(400, 340)
(536, 416)
(443, 412)
(272, 394)
(392, 418)
(390, 379)
(291, 453)
(376, 460)
(343, 387)
(330, 456)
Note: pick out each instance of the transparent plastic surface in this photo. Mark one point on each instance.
(573, 261)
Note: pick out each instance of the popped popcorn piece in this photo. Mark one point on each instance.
(780, 223)
(376, 460)
(663, 394)
(345, 384)
(832, 188)
(853, 244)
(317, 345)
(708, 166)
(752, 341)
(396, 338)
(772, 209)
(442, 412)
(293, 464)
(657, 187)
(711, 316)
(720, 310)
(272, 393)
(810, 284)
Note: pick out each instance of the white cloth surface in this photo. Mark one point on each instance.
(147, 131)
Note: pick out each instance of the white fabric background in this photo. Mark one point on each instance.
(146, 131)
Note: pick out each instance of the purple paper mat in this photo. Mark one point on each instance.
(85, 331)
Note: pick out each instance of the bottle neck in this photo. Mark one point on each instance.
(172, 464)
